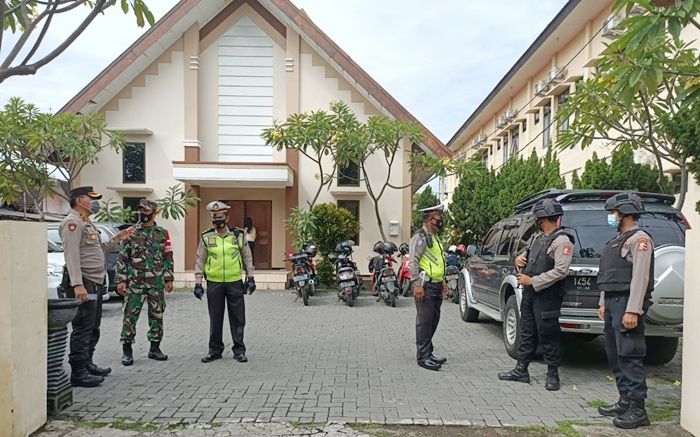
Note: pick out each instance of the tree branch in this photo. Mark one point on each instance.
(41, 36)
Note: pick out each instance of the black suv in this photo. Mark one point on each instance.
(488, 283)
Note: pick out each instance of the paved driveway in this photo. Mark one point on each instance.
(328, 362)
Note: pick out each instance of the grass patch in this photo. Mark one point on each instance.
(566, 428)
(91, 424)
(313, 425)
(667, 411)
(596, 403)
(216, 424)
(133, 426)
(357, 426)
(295, 424)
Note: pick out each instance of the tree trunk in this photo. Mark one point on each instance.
(379, 219)
(684, 188)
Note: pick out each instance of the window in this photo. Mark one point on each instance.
(490, 242)
(537, 117)
(133, 203)
(505, 150)
(504, 245)
(134, 163)
(349, 176)
(561, 99)
(529, 228)
(525, 126)
(354, 207)
(676, 183)
(485, 159)
(546, 122)
(515, 143)
(498, 144)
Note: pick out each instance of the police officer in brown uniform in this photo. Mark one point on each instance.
(426, 262)
(546, 262)
(626, 279)
(85, 265)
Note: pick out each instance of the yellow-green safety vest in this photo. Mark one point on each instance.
(433, 261)
(224, 259)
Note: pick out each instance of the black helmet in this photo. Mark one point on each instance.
(627, 202)
(390, 247)
(547, 208)
(403, 248)
(378, 247)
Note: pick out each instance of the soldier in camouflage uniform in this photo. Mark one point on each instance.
(144, 273)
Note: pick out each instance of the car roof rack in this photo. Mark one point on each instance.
(564, 196)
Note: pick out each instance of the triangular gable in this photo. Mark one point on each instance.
(187, 12)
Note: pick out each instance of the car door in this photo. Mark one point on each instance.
(502, 264)
(481, 266)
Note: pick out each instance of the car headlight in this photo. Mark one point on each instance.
(55, 270)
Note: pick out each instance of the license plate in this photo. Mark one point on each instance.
(452, 277)
(346, 284)
(301, 278)
(581, 283)
(388, 279)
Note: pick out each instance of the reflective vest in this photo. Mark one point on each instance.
(433, 260)
(224, 258)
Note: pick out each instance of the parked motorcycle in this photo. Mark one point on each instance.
(453, 266)
(385, 281)
(404, 272)
(304, 271)
(346, 272)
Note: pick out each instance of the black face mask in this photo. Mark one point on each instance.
(219, 224)
(145, 218)
(438, 224)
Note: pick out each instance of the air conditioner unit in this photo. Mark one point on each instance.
(500, 121)
(610, 29)
(541, 87)
(556, 75)
(510, 114)
(481, 138)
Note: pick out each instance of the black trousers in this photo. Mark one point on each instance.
(625, 348)
(251, 244)
(427, 319)
(219, 296)
(86, 325)
(539, 325)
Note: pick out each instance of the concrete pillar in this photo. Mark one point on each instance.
(293, 65)
(690, 404)
(23, 330)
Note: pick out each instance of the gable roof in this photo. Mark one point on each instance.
(186, 12)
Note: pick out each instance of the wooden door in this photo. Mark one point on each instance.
(236, 214)
(260, 211)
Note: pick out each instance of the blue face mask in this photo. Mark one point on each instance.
(94, 207)
(613, 221)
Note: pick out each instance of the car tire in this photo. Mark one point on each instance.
(467, 313)
(511, 327)
(660, 350)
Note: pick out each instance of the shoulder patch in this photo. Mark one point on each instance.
(72, 226)
(643, 244)
(567, 249)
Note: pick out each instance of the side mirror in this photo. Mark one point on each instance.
(472, 250)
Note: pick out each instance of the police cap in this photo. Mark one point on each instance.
(427, 211)
(544, 208)
(217, 209)
(85, 191)
(627, 202)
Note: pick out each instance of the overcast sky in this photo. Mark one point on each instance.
(438, 58)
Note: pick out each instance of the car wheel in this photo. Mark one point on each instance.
(467, 313)
(660, 350)
(511, 327)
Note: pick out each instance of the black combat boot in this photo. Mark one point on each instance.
(634, 417)
(80, 377)
(127, 355)
(94, 369)
(519, 374)
(616, 409)
(155, 354)
(552, 383)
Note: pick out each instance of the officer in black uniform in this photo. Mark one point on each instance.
(626, 281)
(426, 262)
(546, 262)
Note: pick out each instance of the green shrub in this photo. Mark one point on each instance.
(331, 225)
(324, 272)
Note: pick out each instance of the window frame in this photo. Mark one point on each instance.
(546, 126)
(562, 125)
(348, 181)
(339, 204)
(498, 230)
(124, 159)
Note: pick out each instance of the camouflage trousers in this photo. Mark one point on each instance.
(133, 302)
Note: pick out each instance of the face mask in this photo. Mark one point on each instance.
(145, 218)
(94, 207)
(438, 224)
(219, 224)
(613, 221)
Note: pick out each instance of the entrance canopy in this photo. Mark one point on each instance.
(229, 175)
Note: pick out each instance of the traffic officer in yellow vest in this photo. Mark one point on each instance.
(626, 280)
(222, 258)
(426, 263)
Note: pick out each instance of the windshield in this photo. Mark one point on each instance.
(53, 247)
(591, 230)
